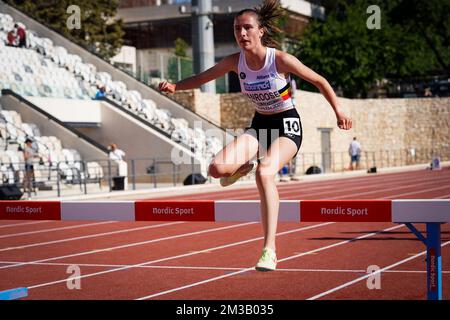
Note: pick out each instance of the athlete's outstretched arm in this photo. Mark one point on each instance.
(287, 63)
(225, 65)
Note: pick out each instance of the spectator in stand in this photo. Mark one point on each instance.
(100, 93)
(21, 34)
(11, 39)
(428, 92)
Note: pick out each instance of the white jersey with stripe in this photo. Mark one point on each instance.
(266, 88)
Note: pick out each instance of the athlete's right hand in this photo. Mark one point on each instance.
(167, 87)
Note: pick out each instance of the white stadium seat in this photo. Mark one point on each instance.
(50, 71)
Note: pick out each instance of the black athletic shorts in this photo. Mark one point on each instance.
(267, 128)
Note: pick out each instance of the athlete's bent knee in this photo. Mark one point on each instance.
(265, 173)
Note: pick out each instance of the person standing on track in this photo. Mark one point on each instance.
(354, 151)
(29, 154)
(276, 131)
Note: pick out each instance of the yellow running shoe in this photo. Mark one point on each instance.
(241, 172)
(268, 260)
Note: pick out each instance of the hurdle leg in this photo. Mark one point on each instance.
(434, 262)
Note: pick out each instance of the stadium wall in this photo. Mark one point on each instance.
(379, 124)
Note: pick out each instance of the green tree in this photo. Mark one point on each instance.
(345, 51)
(281, 23)
(180, 60)
(180, 47)
(100, 31)
(353, 57)
(431, 21)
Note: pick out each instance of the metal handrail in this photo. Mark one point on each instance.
(21, 130)
(159, 175)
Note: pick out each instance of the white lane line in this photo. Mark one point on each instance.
(55, 229)
(394, 188)
(181, 255)
(252, 268)
(355, 185)
(128, 245)
(443, 197)
(421, 191)
(109, 249)
(324, 189)
(352, 188)
(100, 265)
(347, 284)
(23, 223)
(340, 243)
(95, 235)
(371, 191)
(184, 255)
(411, 271)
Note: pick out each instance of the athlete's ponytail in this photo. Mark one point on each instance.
(268, 14)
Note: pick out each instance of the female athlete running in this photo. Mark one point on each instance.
(275, 131)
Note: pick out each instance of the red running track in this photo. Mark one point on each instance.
(202, 260)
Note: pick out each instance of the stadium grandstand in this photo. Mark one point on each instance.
(44, 72)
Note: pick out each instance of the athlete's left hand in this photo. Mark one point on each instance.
(344, 122)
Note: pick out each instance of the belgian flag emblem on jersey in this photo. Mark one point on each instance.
(286, 92)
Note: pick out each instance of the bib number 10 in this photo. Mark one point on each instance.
(292, 126)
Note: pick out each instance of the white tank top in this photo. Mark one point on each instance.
(268, 90)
